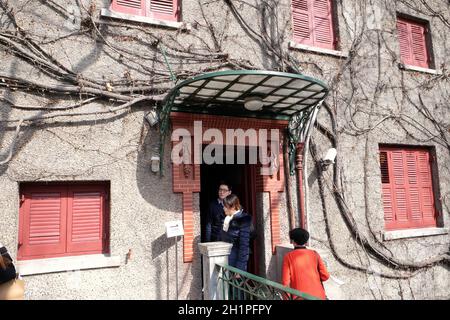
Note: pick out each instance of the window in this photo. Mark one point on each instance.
(157, 9)
(62, 220)
(312, 22)
(407, 188)
(413, 38)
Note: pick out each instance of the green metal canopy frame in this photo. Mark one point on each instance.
(285, 96)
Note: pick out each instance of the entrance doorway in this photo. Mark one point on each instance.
(242, 178)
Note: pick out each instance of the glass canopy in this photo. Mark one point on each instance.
(223, 93)
(285, 96)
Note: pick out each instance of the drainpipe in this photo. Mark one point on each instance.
(299, 168)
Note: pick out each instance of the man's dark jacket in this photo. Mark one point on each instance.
(214, 221)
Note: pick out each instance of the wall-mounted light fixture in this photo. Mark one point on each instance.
(253, 103)
(152, 118)
(329, 158)
(155, 163)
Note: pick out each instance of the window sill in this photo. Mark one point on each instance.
(418, 69)
(169, 24)
(40, 266)
(304, 47)
(412, 233)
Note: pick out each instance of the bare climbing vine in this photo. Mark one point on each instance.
(61, 93)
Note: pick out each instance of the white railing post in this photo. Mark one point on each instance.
(212, 254)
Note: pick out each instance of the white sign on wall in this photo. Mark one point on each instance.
(174, 228)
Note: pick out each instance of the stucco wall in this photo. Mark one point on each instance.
(117, 148)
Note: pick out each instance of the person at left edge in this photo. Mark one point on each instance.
(11, 285)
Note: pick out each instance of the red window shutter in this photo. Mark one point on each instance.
(133, 7)
(164, 9)
(86, 207)
(419, 50)
(302, 21)
(413, 47)
(399, 187)
(323, 24)
(413, 188)
(405, 45)
(426, 189)
(408, 199)
(42, 231)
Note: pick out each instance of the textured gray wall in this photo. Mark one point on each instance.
(118, 148)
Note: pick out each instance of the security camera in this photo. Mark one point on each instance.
(329, 158)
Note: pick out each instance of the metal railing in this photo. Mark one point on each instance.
(235, 284)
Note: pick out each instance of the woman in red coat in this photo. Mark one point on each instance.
(303, 269)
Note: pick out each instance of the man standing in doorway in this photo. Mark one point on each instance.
(216, 215)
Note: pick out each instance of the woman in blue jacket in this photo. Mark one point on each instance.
(236, 230)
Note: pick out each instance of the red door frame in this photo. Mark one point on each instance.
(186, 177)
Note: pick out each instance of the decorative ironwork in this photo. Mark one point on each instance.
(286, 96)
(236, 284)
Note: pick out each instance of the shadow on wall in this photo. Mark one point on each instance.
(161, 246)
(312, 178)
(165, 287)
(195, 289)
(153, 188)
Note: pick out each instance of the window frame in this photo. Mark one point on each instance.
(428, 44)
(65, 188)
(335, 41)
(145, 11)
(424, 223)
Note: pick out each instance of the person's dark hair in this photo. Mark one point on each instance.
(232, 201)
(299, 236)
(224, 183)
(4, 262)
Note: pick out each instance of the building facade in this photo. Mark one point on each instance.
(87, 177)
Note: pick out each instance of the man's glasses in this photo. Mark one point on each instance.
(223, 190)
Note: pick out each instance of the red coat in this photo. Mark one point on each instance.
(303, 270)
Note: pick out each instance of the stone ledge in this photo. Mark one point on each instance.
(169, 24)
(407, 67)
(304, 47)
(40, 266)
(412, 233)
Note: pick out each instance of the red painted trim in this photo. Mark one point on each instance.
(141, 8)
(133, 7)
(28, 249)
(186, 120)
(65, 247)
(407, 189)
(187, 185)
(161, 15)
(94, 244)
(299, 169)
(310, 14)
(188, 225)
(412, 40)
(275, 229)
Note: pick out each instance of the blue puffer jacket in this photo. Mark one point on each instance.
(239, 235)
